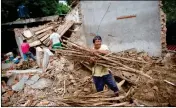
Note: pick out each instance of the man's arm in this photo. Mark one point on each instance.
(104, 51)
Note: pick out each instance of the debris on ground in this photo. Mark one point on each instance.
(67, 82)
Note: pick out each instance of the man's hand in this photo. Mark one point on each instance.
(92, 60)
(94, 51)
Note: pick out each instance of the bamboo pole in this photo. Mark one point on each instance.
(105, 58)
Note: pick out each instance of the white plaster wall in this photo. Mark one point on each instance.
(141, 32)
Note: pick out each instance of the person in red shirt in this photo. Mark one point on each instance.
(25, 49)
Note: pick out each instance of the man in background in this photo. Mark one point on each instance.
(55, 40)
(25, 49)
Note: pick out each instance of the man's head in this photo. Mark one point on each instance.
(97, 42)
(24, 40)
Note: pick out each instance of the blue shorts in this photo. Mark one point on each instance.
(106, 79)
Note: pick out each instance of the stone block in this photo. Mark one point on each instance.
(47, 55)
(39, 56)
(42, 83)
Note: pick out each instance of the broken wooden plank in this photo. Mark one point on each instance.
(169, 83)
(45, 37)
(67, 27)
(35, 43)
(61, 27)
(46, 29)
(27, 33)
(42, 27)
(125, 17)
(41, 35)
(127, 59)
(43, 30)
(46, 41)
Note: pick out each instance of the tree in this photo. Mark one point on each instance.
(37, 8)
(169, 7)
(62, 9)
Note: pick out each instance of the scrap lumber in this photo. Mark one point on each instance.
(43, 30)
(66, 26)
(127, 59)
(123, 67)
(170, 83)
(61, 27)
(42, 27)
(46, 41)
(41, 35)
(45, 37)
(46, 29)
(27, 34)
(35, 43)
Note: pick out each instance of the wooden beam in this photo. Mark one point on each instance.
(43, 30)
(45, 37)
(31, 20)
(125, 17)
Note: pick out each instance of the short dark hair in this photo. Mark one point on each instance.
(96, 38)
(24, 40)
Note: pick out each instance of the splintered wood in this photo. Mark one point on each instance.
(112, 60)
(40, 35)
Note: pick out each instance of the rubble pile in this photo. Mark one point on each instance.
(68, 82)
(25, 65)
(39, 36)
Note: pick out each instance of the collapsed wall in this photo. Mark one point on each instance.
(163, 28)
(141, 31)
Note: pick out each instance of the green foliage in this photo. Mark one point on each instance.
(169, 7)
(62, 9)
(37, 8)
(69, 2)
(40, 8)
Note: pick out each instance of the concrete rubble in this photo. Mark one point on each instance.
(20, 85)
(32, 80)
(42, 83)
